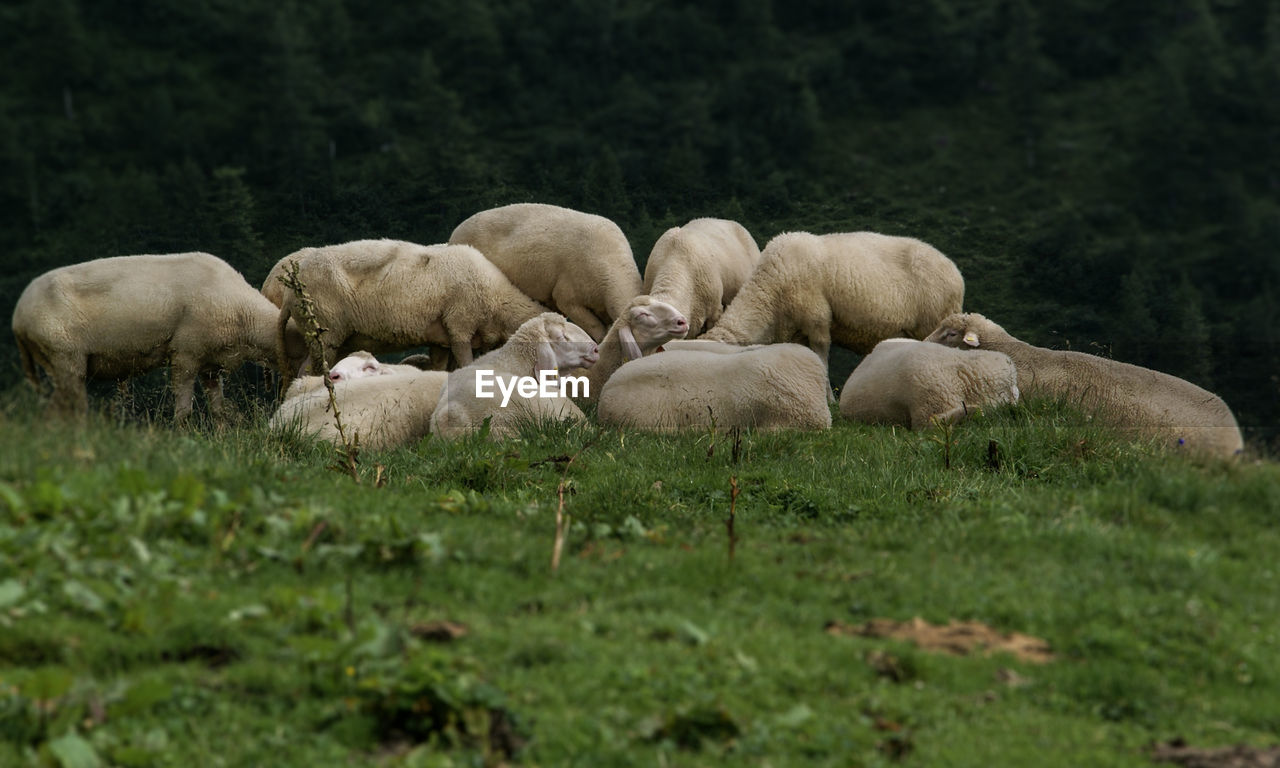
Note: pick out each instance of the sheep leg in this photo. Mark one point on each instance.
(922, 417)
(439, 359)
(69, 393)
(182, 378)
(211, 382)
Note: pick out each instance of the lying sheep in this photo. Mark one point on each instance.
(1125, 395)
(777, 386)
(388, 294)
(125, 315)
(547, 342)
(698, 268)
(913, 384)
(646, 324)
(380, 411)
(578, 263)
(356, 365)
(852, 288)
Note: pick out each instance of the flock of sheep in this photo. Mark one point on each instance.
(707, 338)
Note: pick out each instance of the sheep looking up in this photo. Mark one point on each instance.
(645, 325)
(547, 342)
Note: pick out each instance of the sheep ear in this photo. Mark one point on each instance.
(546, 358)
(630, 349)
(971, 338)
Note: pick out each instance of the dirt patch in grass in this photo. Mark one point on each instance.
(958, 638)
(1239, 756)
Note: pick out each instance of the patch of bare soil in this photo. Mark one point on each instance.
(1238, 756)
(958, 638)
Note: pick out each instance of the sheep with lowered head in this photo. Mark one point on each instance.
(853, 289)
(389, 294)
(380, 411)
(580, 264)
(913, 384)
(774, 386)
(1128, 396)
(699, 268)
(547, 342)
(125, 315)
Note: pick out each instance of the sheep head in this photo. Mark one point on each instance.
(561, 344)
(966, 330)
(647, 323)
(357, 365)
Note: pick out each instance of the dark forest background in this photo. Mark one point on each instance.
(1106, 175)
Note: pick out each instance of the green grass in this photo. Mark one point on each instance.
(219, 596)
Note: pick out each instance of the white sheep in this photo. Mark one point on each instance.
(273, 287)
(699, 268)
(545, 343)
(380, 411)
(1122, 394)
(382, 295)
(125, 315)
(854, 289)
(913, 384)
(643, 326)
(356, 365)
(776, 386)
(578, 263)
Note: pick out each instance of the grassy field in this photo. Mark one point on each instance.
(222, 597)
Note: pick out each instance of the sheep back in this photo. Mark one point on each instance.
(854, 289)
(778, 386)
(383, 411)
(910, 383)
(578, 263)
(1121, 394)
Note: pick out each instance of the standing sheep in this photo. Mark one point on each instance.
(776, 386)
(699, 268)
(851, 288)
(125, 315)
(388, 294)
(381, 411)
(646, 324)
(578, 263)
(273, 287)
(545, 343)
(910, 383)
(1126, 395)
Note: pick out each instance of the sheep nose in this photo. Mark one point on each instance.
(335, 377)
(681, 323)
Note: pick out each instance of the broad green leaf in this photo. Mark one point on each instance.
(72, 751)
(11, 591)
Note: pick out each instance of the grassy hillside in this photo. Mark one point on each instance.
(220, 596)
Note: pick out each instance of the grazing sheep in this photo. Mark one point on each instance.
(852, 288)
(272, 287)
(381, 411)
(125, 315)
(910, 383)
(382, 295)
(578, 263)
(777, 386)
(547, 342)
(646, 324)
(698, 268)
(1125, 395)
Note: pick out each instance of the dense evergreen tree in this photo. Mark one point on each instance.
(1105, 176)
